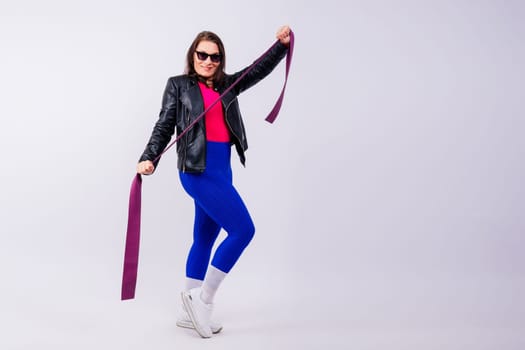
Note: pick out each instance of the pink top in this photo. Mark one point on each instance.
(216, 128)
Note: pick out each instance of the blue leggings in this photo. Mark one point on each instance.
(217, 205)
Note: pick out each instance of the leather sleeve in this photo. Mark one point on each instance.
(261, 70)
(165, 126)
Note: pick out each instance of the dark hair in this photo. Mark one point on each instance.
(206, 36)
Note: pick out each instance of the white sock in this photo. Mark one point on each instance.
(192, 283)
(211, 283)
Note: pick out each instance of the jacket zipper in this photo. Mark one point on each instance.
(186, 141)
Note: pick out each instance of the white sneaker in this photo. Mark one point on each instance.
(198, 311)
(184, 321)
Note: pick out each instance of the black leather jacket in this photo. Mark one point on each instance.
(182, 103)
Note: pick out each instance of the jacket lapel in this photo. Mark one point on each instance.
(228, 98)
(192, 99)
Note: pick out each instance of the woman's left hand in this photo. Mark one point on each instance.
(283, 35)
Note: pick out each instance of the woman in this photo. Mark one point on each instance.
(204, 164)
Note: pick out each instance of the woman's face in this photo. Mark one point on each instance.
(206, 59)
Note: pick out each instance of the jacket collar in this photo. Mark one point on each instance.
(192, 97)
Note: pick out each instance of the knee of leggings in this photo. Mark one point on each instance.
(244, 236)
(249, 233)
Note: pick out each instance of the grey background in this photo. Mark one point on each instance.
(388, 197)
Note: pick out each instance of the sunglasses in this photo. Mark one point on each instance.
(203, 56)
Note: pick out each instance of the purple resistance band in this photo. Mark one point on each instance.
(131, 255)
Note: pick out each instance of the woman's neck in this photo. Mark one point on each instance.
(206, 81)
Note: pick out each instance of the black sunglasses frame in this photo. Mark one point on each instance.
(203, 56)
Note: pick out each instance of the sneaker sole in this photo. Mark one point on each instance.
(189, 325)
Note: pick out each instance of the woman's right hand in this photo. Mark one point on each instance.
(145, 167)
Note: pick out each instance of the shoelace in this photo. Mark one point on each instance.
(131, 254)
